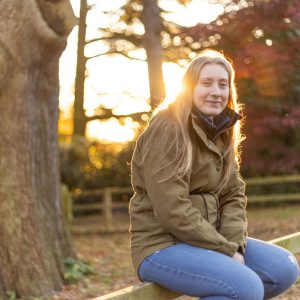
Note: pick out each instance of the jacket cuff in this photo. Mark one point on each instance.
(229, 249)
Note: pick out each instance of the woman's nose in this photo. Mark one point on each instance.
(215, 91)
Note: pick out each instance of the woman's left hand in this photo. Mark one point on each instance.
(239, 257)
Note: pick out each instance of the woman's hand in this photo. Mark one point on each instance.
(239, 257)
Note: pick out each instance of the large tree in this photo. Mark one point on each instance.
(152, 43)
(33, 239)
(79, 117)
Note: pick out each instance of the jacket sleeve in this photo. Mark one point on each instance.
(233, 211)
(173, 208)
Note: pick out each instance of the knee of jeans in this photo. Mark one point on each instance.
(292, 269)
(289, 273)
(250, 287)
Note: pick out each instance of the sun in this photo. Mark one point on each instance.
(173, 80)
(111, 130)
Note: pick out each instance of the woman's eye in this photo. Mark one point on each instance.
(223, 85)
(206, 83)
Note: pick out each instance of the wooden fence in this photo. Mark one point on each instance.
(260, 181)
(106, 204)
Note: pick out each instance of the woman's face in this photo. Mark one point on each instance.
(211, 92)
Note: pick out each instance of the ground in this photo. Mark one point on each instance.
(108, 253)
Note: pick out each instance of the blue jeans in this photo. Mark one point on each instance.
(268, 271)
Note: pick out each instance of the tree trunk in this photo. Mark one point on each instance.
(79, 117)
(32, 236)
(152, 44)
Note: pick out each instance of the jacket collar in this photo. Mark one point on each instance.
(214, 128)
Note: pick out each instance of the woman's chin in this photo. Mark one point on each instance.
(212, 112)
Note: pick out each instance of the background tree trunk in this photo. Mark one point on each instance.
(152, 43)
(79, 112)
(32, 236)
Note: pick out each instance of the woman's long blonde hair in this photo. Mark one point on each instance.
(174, 119)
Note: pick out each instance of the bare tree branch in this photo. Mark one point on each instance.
(116, 52)
(135, 39)
(108, 114)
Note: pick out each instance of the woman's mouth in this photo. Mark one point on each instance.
(213, 101)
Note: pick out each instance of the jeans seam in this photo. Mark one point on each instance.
(230, 288)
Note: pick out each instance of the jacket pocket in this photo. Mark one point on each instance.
(207, 204)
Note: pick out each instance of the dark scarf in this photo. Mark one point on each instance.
(213, 128)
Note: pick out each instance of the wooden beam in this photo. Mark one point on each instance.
(290, 242)
(150, 291)
(249, 182)
(273, 198)
(272, 180)
(142, 291)
(97, 206)
(101, 191)
(107, 208)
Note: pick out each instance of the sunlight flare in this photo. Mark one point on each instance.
(112, 131)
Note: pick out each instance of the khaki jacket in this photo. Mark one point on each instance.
(186, 209)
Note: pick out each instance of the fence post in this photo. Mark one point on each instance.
(108, 208)
(67, 202)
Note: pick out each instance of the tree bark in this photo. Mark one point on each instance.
(79, 117)
(32, 236)
(152, 43)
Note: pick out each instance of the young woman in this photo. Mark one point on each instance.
(188, 219)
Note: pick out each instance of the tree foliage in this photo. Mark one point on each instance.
(273, 140)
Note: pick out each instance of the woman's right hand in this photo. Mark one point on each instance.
(239, 257)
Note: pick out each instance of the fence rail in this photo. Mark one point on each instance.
(272, 180)
(279, 197)
(107, 204)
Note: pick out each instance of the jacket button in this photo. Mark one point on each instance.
(218, 168)
(210, 145)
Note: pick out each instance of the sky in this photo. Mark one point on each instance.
(118, 82)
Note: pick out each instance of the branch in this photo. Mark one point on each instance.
(94, 40)
(115, 52)
(136, 40)
(108, 114)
